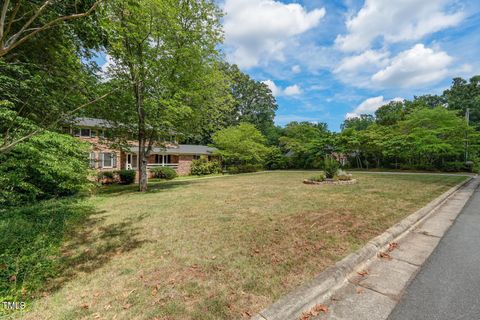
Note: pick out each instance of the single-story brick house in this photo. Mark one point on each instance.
(105, 158)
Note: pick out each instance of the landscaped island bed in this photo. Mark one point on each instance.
(222, 248)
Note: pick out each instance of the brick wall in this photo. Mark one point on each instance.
(184, 164)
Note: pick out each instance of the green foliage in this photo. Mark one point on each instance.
(319, 177)
(126, 176)
(253, 100)
(330, 166)
(423, 138)
(276, 160)
(202, 167)
(465, 95)
(166, 173)
(48, 165)
(306, 143)
(30, 245)
(241, 145)
(390, 114)
(359, 123)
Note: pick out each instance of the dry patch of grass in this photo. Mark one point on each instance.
(222, 248)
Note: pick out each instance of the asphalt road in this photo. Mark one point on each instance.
(448, 285)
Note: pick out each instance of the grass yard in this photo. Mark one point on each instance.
(220, 248)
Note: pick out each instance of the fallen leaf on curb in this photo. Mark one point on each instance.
(392, 246)
(127, 306)
(384, 255)
(315, 311)
(85, 306)
(362, 273)
(360, 290)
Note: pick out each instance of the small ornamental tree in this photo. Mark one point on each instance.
(241, 145)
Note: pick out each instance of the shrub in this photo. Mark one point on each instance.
(331, 166)
(457, 166)
(203, 167)
(106, 177)
(164, 173)
(126, 176)
(319, 177)
(276, 160)
(46, 166)
(244, 168)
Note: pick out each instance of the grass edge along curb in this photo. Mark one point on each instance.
(321, 288)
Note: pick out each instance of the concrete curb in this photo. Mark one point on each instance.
(322, 287)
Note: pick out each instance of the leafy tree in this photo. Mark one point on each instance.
(212, 107)
(161, 50)
(21, 21)
(241, 145)
(306, 143)
(42, 75)
(390, 113)
(358, 123)
(436, 134)
(465, 95)
(431, 101)
(254, 102)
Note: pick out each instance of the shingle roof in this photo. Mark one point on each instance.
(182, 149)
(91, 122)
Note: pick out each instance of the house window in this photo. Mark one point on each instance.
(109, 160)
(92, 160)
(196, 157)
(85, 133)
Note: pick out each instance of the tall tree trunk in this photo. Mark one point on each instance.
(143, 150)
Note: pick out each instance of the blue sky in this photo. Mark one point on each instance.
(326, 60)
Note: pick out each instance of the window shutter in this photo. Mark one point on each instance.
(101, 160)
(114, 160)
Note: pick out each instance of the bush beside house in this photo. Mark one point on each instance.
(202, 167)
(166, 173)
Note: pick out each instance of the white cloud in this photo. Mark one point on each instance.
(293, 90)
(362, 61)
(369, 106)
(396, 21)
(296, 69)
(357, 70)
(417, 66)
(276, 91)
(259, 30)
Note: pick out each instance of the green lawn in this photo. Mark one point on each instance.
(221, 248)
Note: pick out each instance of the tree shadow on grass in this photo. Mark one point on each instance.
(154, 187)
(44, 245)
